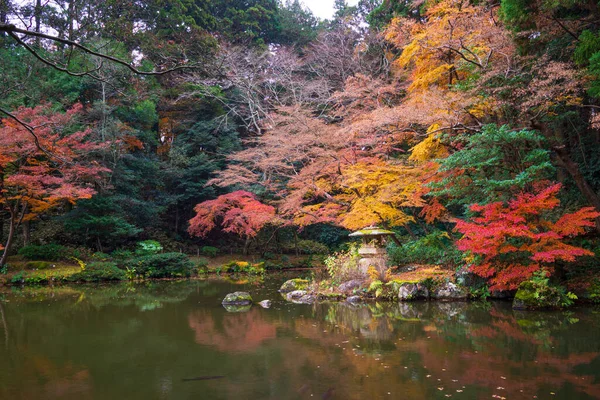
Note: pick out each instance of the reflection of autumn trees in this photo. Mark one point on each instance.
(53, 380)
(293, 351)
(234, 332)
(410, 348)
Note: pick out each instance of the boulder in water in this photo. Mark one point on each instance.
(265, 303)
(294, 284)
(237, 298)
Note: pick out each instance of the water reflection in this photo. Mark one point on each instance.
(153, 341)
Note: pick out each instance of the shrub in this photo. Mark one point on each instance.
(46, 252)
(538, 293)
(312, 247)
(148, 247)
(82, 253)
(202, 266)
(166, 265)
(434, 248)
(121, 254)
(343, 265)
(100, 256)
(209, 251)
(99, 272)
(243, 267)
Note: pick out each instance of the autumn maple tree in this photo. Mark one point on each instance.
(38, 177)
(510, 241)
(239, 212)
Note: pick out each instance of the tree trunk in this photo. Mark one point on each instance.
(9, 239)
(247, 246)
(176, 219)
(38, 19)
(573, 169)
(3, 15)
(26, 233)
(71, 14)
(296, 243)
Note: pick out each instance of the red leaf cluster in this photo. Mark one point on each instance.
(238, 212)
(37, 177)
(515, 240)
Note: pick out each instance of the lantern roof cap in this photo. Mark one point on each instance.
(371, 231)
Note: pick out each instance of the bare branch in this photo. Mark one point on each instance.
(12, 30)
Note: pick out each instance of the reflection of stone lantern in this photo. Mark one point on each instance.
(372, 250)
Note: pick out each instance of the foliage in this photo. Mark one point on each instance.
(492, 165)
(121, 254)
(47, 252)
(99, 272)
(33, 181)
(588, 46)
(537, 292)
(511, 241)
(312, 247)
(376, 274)
(209, 251)
(165, 265)
(148, 247)
(238, 212)
(343, 265)
(242, 267)
(436, 248)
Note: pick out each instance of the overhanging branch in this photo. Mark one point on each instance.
(13, 30)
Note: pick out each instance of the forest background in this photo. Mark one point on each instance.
(469, 127)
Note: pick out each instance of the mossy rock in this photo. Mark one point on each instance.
(409, 291)
(237, 298)
(449, 291)
(38, 265)
(532, 296)
(332, 296)
(294, 284)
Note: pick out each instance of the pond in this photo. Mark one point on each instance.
(174, 340)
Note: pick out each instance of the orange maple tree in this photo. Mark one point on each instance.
(37, 177)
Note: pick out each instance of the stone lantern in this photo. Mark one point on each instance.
(372, 249)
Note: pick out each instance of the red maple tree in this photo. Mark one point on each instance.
(37, 177)
(512, 241)
(238, 212)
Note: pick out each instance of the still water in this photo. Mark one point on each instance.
(173, 340)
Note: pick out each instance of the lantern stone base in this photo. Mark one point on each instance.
(377, 261)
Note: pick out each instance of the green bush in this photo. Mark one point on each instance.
(434, 248)
(100, 256)
(209, 251)
(45, 252)
(538, 293)
(166, 265)
(312, 247)
(148, 247)
(121, 254)
(202, 266)
(99, 272)
(82, 253)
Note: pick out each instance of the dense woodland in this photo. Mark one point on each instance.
(470, 127)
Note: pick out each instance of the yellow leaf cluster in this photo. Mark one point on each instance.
(429, 149)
